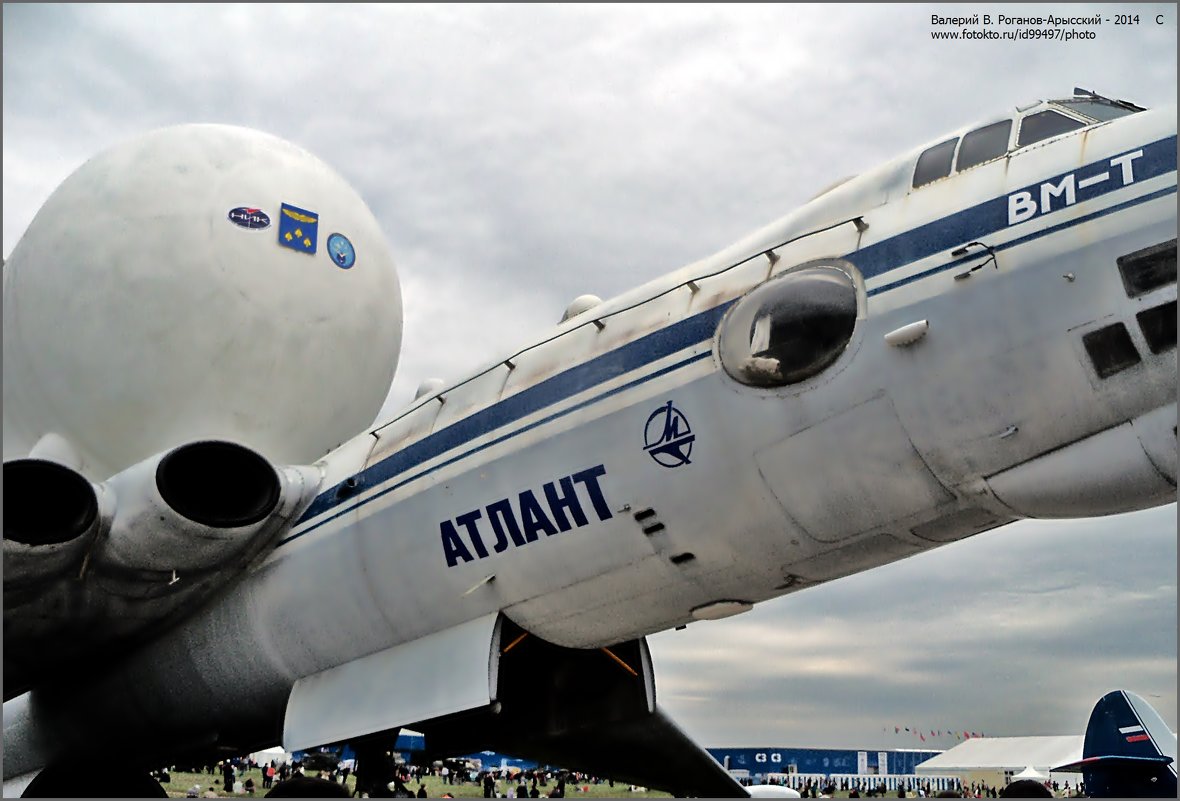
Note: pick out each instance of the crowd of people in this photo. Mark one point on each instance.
(383, 777)
(229, 772)
(869, 788)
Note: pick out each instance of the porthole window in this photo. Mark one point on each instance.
(790, 328)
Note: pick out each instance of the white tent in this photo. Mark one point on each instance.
(1031, 773)
(1002, 754)
(275, 754)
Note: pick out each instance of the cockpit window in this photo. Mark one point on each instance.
(1045, 124)
(1098, 109)
(984, 144)
(935, 163)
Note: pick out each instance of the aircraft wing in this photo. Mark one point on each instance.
(490, 685)
(648, 750)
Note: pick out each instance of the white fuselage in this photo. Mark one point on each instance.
(533, 487)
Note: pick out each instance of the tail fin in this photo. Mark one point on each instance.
(1128, 752)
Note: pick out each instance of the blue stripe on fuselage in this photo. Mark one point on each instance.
(625, 387)
(890, 254)
(598, 370)
(977, 255)
(1159, 158)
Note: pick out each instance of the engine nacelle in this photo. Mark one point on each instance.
(88, 567)
(198, 506)
(199, 282)
(52, 516)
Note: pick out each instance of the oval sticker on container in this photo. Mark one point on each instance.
(246, 217)
(341, 251)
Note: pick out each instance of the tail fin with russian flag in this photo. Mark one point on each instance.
(1129, 751)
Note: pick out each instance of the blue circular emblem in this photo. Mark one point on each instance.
(667, 437)
(340, 249)
(246, 217)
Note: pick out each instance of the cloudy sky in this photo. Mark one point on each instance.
(520, 156)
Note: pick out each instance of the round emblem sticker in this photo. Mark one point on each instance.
(250, 218)
(341, 251)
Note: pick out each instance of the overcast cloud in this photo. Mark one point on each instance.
(519, 156)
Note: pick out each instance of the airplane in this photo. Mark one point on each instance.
(1128, 752)
(201, 552)
(771, 791)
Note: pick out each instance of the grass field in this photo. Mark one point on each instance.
(180, 782)
(435, 787)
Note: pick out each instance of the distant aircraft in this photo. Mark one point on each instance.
(202, 554)
(771, 791)
(1129, 752)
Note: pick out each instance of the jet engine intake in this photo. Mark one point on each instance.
(52, 515)
(199, 506)
(89, 567)
(218, 484)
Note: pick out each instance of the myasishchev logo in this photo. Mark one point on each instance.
(667, 436)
